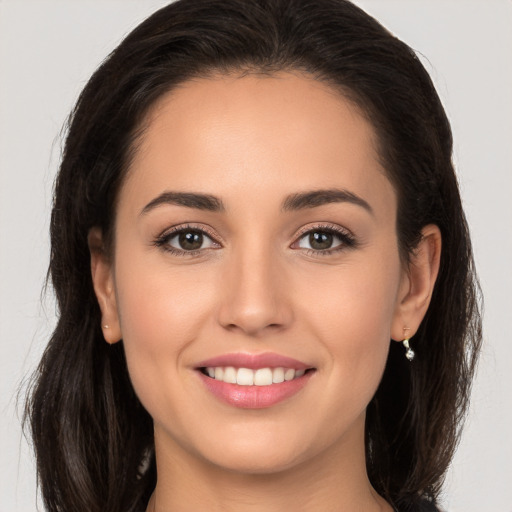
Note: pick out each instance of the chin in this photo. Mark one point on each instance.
(259, 453)
(249, 463)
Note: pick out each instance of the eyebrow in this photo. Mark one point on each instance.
(294, 202)
(188, 199)
(314, 198)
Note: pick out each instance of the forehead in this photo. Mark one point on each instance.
(260, 134)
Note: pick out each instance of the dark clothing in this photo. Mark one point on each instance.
(424, 506)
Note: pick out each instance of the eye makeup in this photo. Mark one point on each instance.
(189, 237)
(321, 239)
(191, 240)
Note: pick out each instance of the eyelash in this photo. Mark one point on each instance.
(163, 240)
(347, 239)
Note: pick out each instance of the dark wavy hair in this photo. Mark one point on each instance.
(93, 439)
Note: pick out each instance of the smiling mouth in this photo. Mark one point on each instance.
(253, 377)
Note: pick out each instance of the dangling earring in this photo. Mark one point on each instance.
(409, 353)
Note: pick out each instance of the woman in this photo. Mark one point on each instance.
(255, 198)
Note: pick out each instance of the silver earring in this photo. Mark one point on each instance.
(409, 353)
(106, 327)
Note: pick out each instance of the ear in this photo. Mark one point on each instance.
(417, 284)
(103, 282)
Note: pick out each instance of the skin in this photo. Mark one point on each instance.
(257, 287)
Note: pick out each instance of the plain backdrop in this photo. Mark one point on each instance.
(48, 49)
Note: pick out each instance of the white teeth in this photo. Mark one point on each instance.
(248, 377)
(289, 374)
(229, 375)
(278, 375)
(263, 377)
(245, 377)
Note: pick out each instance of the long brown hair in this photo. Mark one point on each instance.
(93, 438)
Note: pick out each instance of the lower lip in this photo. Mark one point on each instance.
(254, 397)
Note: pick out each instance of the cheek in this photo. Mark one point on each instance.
(351, 311)
(160, 304)
(355, 303)
(161, 312)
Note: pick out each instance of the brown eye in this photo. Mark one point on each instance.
(190, 240)
(320, 240)
(187, 240)
(325, 240)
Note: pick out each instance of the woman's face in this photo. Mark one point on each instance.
(256, 220)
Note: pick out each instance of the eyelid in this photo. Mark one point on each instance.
(162, 240)
(347, 238)
(324, 226)
(191, 226)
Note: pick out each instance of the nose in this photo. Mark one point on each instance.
(255, 298)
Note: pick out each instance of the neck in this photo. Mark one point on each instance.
(331, 481)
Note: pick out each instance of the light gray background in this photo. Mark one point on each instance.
(48, 49)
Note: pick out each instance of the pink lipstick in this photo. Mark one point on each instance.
(254, 381)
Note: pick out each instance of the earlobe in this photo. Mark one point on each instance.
(103, 282)
(418, 283)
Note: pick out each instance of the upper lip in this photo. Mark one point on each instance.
(254, 361)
